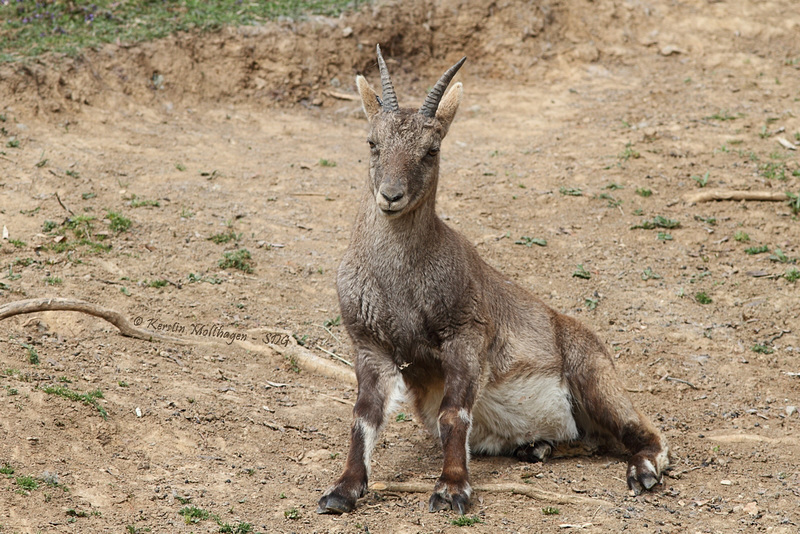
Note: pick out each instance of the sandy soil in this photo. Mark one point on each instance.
(251, 132)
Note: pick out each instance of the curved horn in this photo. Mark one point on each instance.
(389, 97)
(432, 101)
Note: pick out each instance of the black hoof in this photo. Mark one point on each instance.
(335, 504)
(533, 452)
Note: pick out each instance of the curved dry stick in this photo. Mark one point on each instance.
(304, 358)
(706, 196)
(520, 489)
(124, 326)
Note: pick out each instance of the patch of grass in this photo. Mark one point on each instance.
(402, 417)
(629, 153)
(570, 191)
(648, 274)
(238, 528)
(466, 521)
(741, 236)
(13, 143)
(327, 163)
(225, 237)
(756, 250)
(591, 304)
(17, 243)
(90, 398)
(550, 510)
(239, 259)
(529, 241)
(157, 283)
(794, 202)
(779, 256)
(708, 220)
(702, 181)
(773, 170)
(81, 225)
(336, 321)
(291, 513)
(137, 202)
(614, 186)
(193, 514)
(702, 298)
(6, 470)
(664, 236)
(792, 275)
(761, 349)
(580, 272)
(657, 222)
(723, 115)
(180, 166)
(117, 222)
(33, 356)
(33, 28)
(612, 202)
(53, 281)
(27, 483)
(49, 226)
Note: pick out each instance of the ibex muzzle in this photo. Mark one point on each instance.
(490, 368)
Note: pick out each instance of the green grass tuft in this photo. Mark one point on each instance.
(90, 399)
(240, 259)
(32, 28)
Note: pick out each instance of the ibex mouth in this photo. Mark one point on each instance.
(389, 208)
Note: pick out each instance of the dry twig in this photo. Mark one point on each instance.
(124, 326)
(304, 358)
(519, 489)
(720, 194)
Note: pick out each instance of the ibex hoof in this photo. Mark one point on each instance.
(534, 452)
(443, 499)
(642, 474)
(335, 504)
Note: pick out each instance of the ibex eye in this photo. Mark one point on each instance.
(433, 151)
(371, 145)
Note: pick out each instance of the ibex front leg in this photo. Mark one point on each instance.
(377, 382)
(461, 378)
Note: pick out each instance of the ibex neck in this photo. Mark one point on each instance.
(412, 231)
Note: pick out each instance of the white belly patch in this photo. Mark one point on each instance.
(521, 411)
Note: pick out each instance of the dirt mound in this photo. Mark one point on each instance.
(289, 62)
(283, 63)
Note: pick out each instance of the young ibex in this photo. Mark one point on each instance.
(490, 368)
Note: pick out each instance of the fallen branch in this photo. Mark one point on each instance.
(124, 326)
(751, 438)
(508, 487)
(304, 358)
(719, 194)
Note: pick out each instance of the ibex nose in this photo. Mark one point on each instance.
(391, 194)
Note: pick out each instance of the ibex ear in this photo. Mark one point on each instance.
(449, 105)
(369, 98)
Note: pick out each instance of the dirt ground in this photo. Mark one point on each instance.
(254, 134)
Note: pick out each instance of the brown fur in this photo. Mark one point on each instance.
(421, 306)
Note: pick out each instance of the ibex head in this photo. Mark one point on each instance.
(404, 143)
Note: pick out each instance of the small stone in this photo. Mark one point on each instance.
(751, 508)
(725, 482)
(791, 410)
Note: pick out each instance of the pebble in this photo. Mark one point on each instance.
(791, 410)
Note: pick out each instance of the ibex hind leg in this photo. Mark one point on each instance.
(606, 408)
